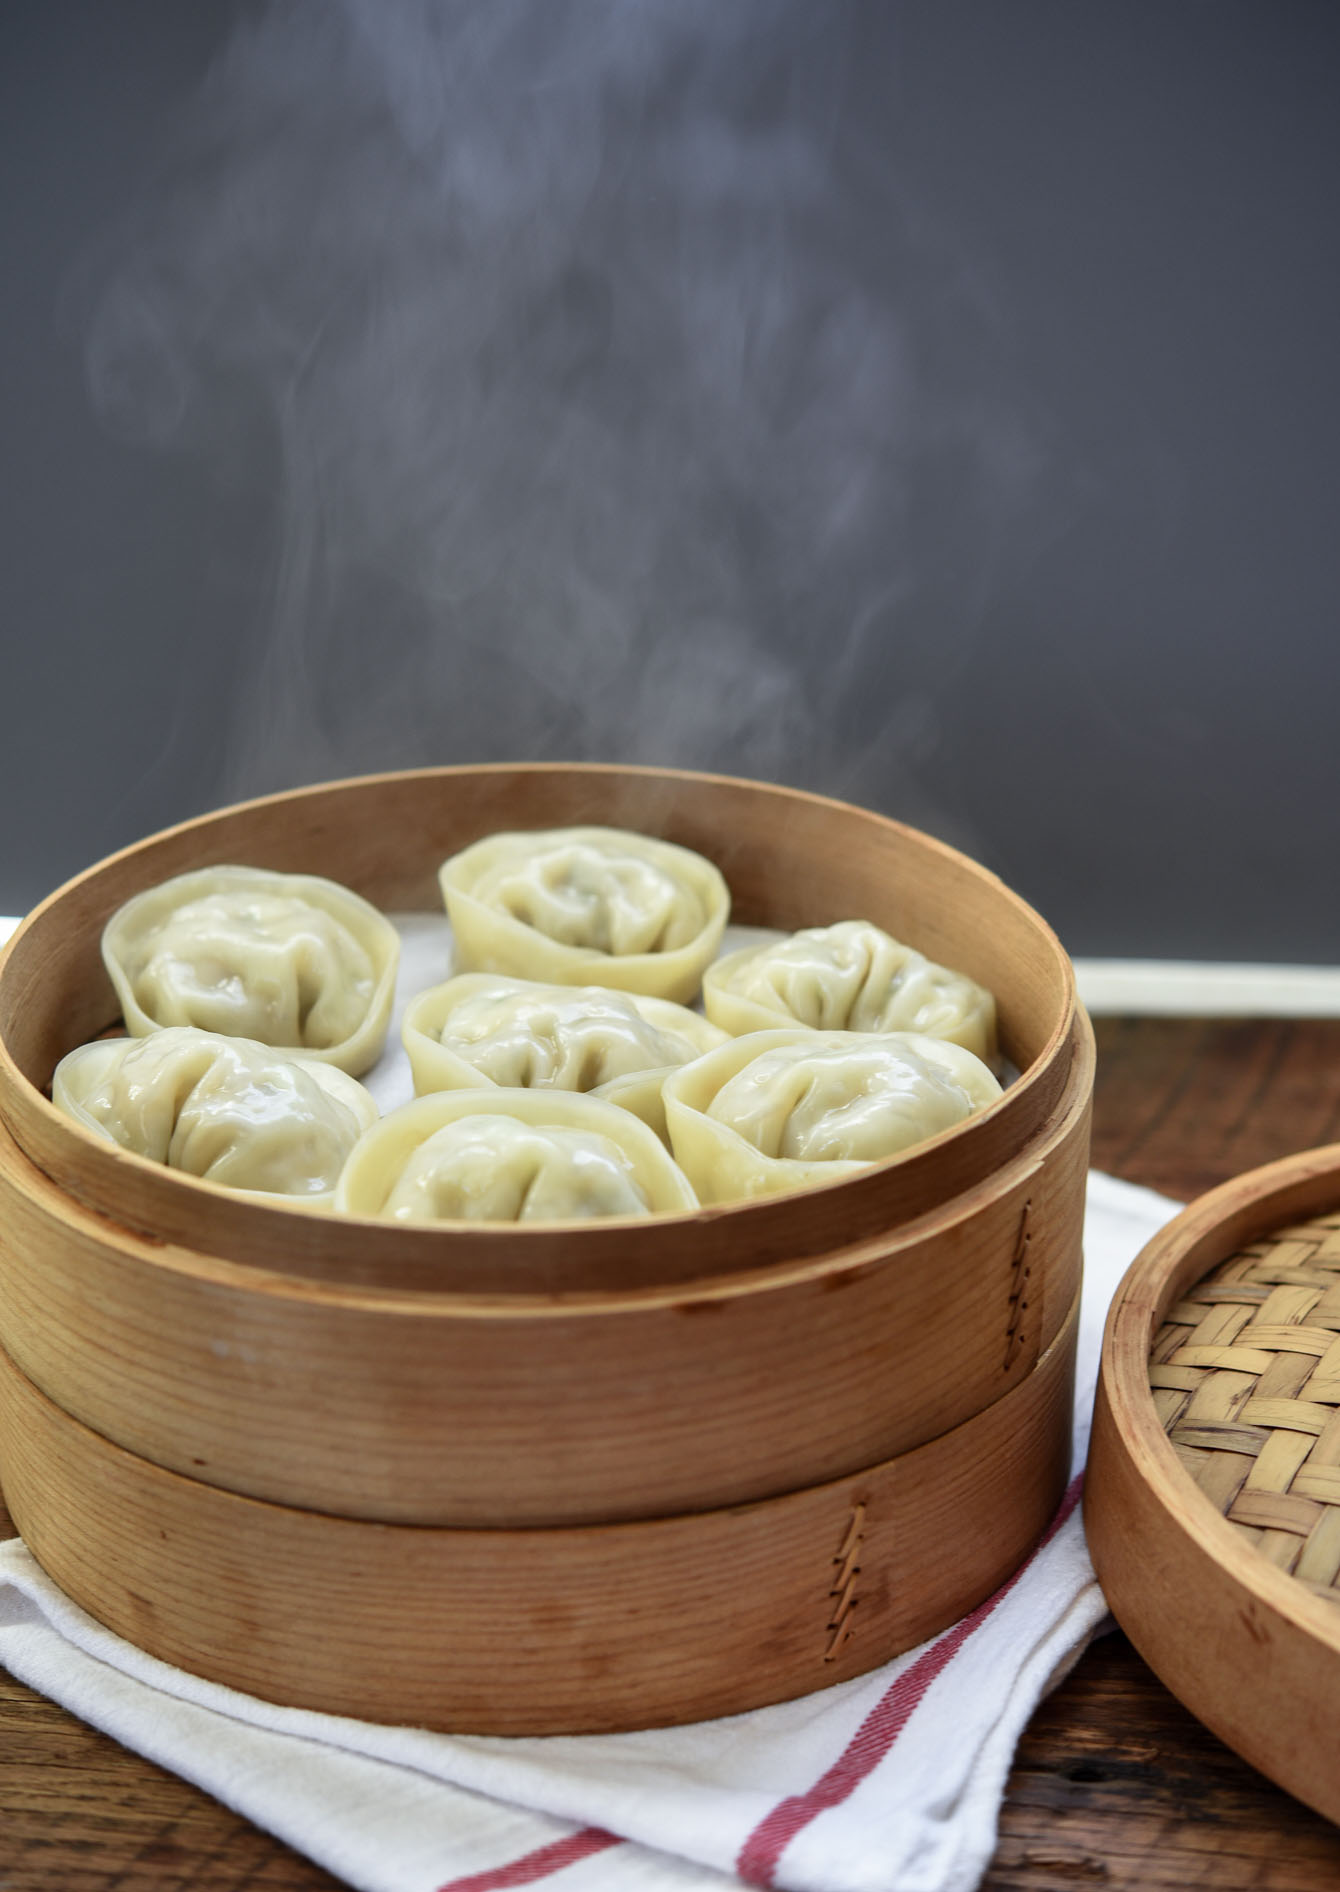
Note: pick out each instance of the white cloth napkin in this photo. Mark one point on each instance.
(890, 1783)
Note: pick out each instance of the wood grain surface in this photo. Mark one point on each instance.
(1114, 1783)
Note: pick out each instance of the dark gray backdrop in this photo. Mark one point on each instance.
(935, 404)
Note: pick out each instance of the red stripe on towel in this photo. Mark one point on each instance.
(761, 1853)
(537, 1865)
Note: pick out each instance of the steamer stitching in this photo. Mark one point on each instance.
(842, 1591)
(1020, 1271)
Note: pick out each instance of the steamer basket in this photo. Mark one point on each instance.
(1212, 1499)
(240, 1363)
(570, 1631)
(790, 859)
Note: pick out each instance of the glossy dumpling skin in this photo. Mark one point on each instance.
(484, 1028)
(587, 906)
(510, 1156)
(848, 977)
(780, 1110)
(227, 1109)
(289, 960)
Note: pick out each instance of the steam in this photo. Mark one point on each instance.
(597, 380)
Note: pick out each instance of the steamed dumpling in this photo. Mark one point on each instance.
(519, 1033)
(510, 1156)
(782, 1110)
(587, 906)
(848, 977)
(286, 959)
(863, 1099)
(493, 1169)
(228, 1109)
(482, 1027)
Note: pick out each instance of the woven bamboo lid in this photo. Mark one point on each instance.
(1245, 1373)
(1212, 1500)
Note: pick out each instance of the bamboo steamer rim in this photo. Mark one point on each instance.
(1151, 1527)
(522, 1304)
(165, 1204)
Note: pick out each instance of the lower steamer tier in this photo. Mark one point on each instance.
(558, 1631)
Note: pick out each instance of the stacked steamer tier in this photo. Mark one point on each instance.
(525, 1480)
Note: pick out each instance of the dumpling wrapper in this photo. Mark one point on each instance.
(227, 1109)
(484, 1028)
(511, 1155)
(288, 960)
(587, 906)
(851, 976)
(781, 1110)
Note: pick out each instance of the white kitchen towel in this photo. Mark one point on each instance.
(890, 1783)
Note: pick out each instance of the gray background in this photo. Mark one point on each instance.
(935, 404)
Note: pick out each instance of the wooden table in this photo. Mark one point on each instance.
(1114, 1784)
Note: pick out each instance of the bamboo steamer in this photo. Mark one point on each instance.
(522, 1394)
(1212, 1496)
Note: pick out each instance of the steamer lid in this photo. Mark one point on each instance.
(1212, 1500)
